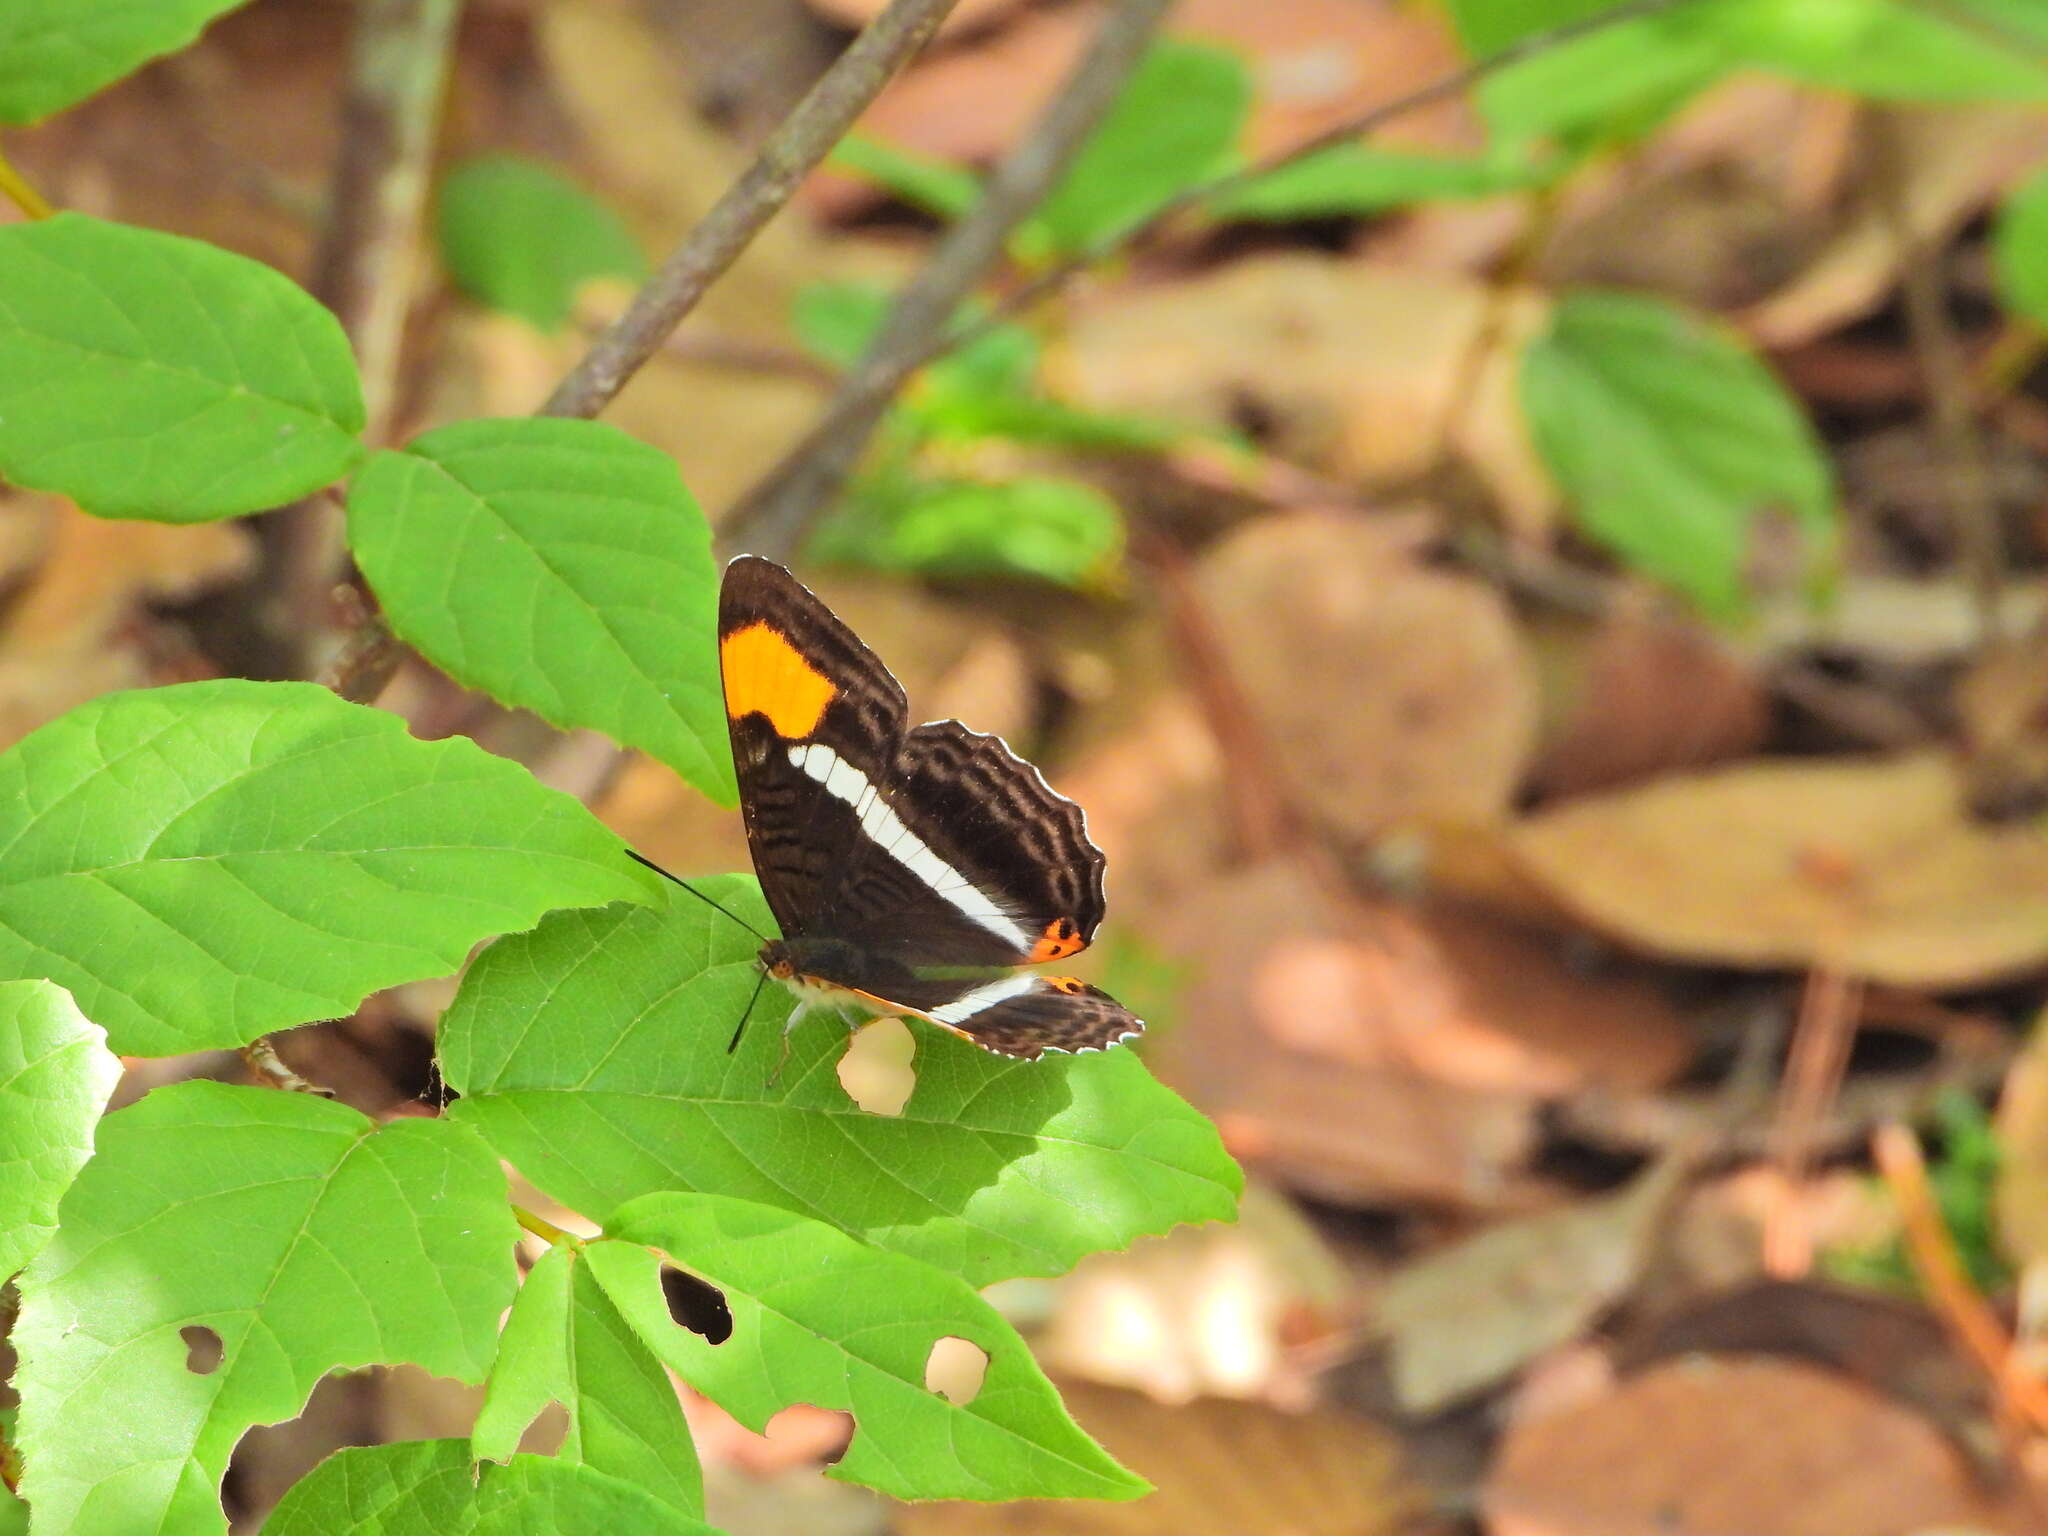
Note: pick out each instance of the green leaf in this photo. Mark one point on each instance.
(566, 1343)
(518, 237)
(559, 566)
(1347, 180)
(147, 376)
(1175, 124)
(1876, 48)
(306, 1237)
(591, 1053)
(1035, 526)
(1609, 86)
(2020, 248)
(201, 863)
(925, 183)
(837, 320)
(55, 1076)
(429, 1488)
(1672, 442)
(57, 52)
(13, 1515)
(819, 1318)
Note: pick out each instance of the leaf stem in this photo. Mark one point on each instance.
(23, 196)
(544, 1229)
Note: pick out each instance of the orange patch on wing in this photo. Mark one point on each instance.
(1062, 937)
(1073, 986)
(767, 675)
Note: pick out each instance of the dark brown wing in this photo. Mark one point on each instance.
(807, 705)
(978, 862)
(1021, 1015)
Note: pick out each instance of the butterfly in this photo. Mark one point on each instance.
(911, 869)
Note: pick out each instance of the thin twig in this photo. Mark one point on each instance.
(1966, 1315)
(771, 518)
(1813, 1076)
(362, 270)
(1945, 374)
(817, 122)
(21, 194)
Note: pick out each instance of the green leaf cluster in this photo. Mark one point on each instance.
(189, 868)
(920, 506)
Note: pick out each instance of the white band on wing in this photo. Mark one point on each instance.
(878, 819)
(968, 1004)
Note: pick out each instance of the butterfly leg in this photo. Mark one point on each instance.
(796, 1016)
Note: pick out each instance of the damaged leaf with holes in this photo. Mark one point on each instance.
(819, 1318)
(284, 1237)
(566, 1343)
(591, 1053)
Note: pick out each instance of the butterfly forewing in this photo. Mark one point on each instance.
(794, 678)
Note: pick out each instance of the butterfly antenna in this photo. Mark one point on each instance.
(741, 1027)
(678, 880)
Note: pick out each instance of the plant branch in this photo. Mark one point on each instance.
(1951, 406)
(1967, 1316)
(804, 138)
(21, 194)
(362, 270)
(772, 517)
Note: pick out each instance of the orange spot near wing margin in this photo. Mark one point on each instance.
(765, 674)
(1062, 937)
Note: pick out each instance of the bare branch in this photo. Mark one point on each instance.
(362, 270)
(772, 516)
(818, 122)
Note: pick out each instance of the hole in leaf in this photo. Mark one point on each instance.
(876, 1071)
(804, 1432)
(696, 1305)
(954, 1370)
(203, 1350)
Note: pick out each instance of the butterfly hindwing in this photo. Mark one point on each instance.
(802, 695)
(1021, 1015)
(974, 860)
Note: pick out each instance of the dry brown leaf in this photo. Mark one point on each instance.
(2001, 706)
(1471, 1315)
(1951, 161)
(1889, 1343)
(1641, 694)
(1221, 1469)
(1352, 365)
(1871, 868)
(1731, 1447)
(1366, 1056)
(1390, 692)
(1204, 1311)
(68, 635)
(2021, 1193)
